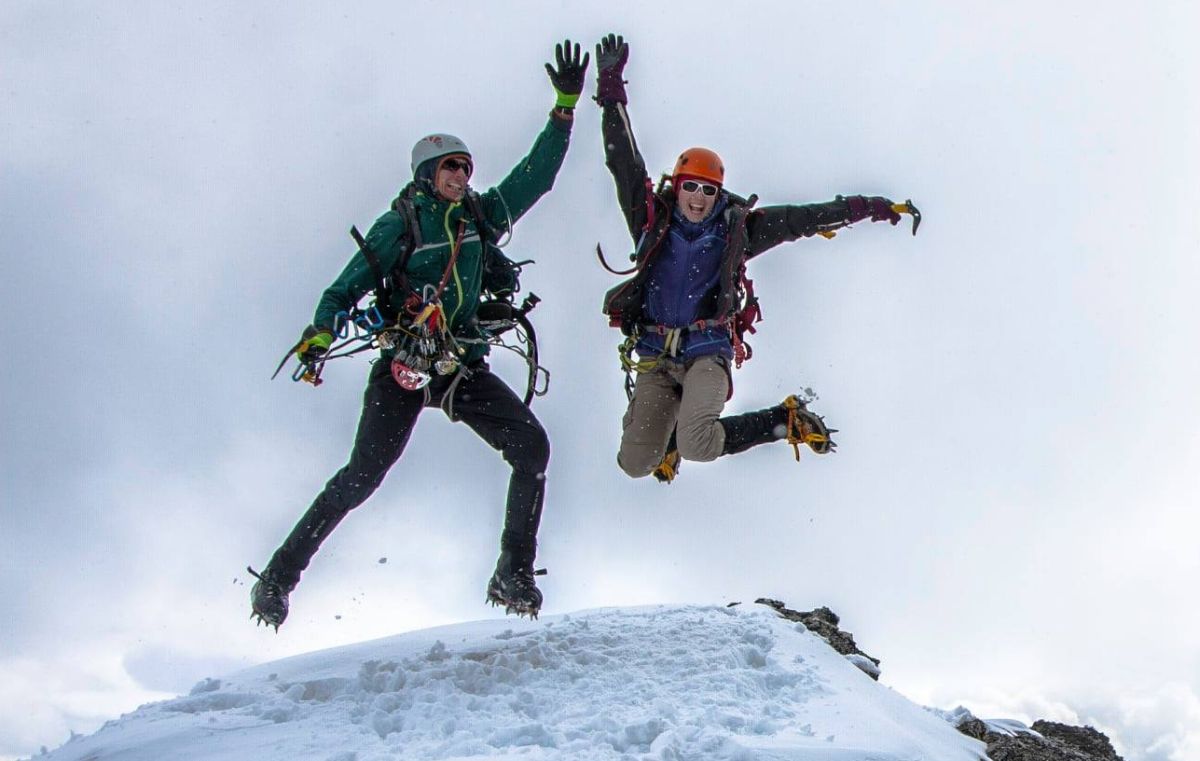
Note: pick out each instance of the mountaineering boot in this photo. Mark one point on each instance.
(512, 585)
(789, 420)
(753, 428)
(268, 598)
(668, 467)
(804, 427)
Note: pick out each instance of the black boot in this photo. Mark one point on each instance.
(753, 428)
(269, 598)
(789, 420)
(512, 584)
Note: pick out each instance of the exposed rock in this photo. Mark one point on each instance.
(1089, 742)
(1005, 740)
(824, 623)
(973, 727)
(1046, 741)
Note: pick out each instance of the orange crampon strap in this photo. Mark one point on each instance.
(795, 424)
(312, 375)
(666, 470)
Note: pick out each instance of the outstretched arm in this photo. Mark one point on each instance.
(621, 153)
(772, 225)
(534, 176)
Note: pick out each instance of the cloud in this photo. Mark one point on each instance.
(46, 699)
(1144, 723)
(165, 668)
(1151, 725)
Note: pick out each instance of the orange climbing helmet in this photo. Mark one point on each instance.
(700, 163)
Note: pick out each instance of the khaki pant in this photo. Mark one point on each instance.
(685, 398)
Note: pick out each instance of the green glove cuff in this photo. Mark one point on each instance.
(321, 340)
(565, 99)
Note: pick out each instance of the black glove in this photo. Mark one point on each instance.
(568, 77)
(611, 55)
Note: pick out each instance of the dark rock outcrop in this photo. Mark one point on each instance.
(1088, 742)
(824, 623)
(1049, 741)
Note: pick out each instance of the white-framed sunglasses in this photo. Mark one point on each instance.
(691, 186)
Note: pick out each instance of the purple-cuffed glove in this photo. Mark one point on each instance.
(611, 54)
(878, 208)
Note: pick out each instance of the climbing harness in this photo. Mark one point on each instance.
(501, 325)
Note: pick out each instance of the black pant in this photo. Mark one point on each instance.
(482, 401)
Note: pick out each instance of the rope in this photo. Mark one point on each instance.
(448, 397)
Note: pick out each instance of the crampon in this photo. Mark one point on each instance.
(805, 427)
(516, 591)
(268, 600)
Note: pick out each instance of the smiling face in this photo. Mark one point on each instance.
(450, 179)
(696, 198)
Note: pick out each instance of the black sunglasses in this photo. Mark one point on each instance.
(691, 186)
(453, 165)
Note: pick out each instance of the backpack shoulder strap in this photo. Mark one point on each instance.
(372, 262)
(745, 203)
(474, 206)
(403, 205)
(412, 236)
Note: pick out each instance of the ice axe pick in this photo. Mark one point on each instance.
(908, 208)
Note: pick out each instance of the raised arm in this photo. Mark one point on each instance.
(621, 153)
(534, 176)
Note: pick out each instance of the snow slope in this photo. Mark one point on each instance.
(666, 682)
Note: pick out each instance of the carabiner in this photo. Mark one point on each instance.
(308, 373)
(341, 324)
(370, 320)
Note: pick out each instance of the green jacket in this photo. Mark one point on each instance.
(439, 221)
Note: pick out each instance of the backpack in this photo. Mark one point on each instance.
(501, 275)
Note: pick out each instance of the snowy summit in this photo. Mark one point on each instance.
(665, 682)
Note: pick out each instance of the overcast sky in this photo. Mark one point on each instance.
(1009, 523)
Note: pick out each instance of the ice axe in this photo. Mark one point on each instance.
(307, 372)
(908, 208)
(900, 208)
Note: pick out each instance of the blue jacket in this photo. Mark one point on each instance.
(681, 281)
